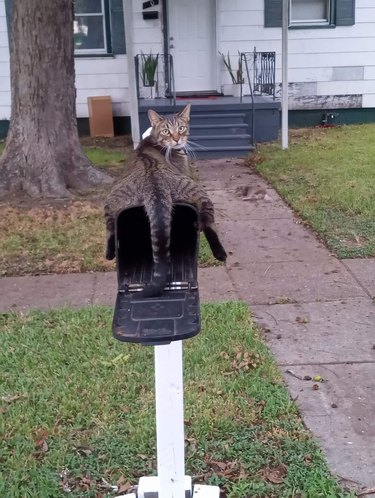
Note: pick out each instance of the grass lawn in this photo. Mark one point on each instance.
(328, 177)
(64, 237)
(77, 404)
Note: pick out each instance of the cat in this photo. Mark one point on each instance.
(159, 176)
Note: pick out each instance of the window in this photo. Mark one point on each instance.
(310, 12)
(90, 34)
(98, 27)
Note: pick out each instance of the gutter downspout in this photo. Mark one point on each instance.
(132, 90)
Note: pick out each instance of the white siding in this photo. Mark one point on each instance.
(109, 76)
(4, 66)
(102, 76)
(323, 62)
(94, 76)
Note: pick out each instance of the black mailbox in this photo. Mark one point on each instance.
(174, 315)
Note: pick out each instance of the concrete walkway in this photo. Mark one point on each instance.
(317, 313)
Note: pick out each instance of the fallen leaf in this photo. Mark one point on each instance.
(84, 450)
(42, 445)
(41, 448)
(318, 378)
(220, 465)
(124, 487)
(276, 475)
(120, 481)
(13, 397)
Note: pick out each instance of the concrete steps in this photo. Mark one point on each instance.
(219, 134)
(221, 128)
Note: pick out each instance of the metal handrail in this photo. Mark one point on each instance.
(162, 83)
(245, 62)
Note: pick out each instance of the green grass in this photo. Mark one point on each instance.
(103, 157)
(111, 160)
(76, 401)
(328, 177)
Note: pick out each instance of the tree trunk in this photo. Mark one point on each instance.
(43, 155)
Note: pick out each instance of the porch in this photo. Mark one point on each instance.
(221, 126)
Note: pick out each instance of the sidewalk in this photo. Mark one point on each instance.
(316, 312)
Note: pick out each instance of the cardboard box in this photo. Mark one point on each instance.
(100, 116)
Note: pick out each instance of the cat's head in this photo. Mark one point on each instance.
(170, 131)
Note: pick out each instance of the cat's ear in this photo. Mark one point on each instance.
(185, 113)
(154, 117)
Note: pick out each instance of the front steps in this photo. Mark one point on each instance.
(222, 127)
(216, 134)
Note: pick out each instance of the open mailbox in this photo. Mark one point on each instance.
(174, 315)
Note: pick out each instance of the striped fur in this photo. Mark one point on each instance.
(160, 176)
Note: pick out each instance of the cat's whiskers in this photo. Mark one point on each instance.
(190, 151)
(190, 142)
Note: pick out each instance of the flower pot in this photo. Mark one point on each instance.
(227, 89)
(237, 90)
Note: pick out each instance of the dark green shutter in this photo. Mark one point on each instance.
(8, 13)
(345, 12)
(273, 13)
(117, 26)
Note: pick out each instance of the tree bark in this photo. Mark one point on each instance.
(43, 155)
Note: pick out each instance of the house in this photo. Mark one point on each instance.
(331, 60)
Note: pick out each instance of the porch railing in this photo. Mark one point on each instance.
(260, 71)
(155, 76)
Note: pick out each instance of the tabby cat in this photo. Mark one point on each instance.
(161, 175)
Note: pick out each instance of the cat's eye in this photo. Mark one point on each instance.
(181, 129)
(165, 131)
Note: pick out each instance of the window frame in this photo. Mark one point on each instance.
(313, 23)
(343, 13)
(107, 49)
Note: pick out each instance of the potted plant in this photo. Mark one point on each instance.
(149, 66)
(236, 75)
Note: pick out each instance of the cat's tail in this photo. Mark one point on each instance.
(159, 212)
